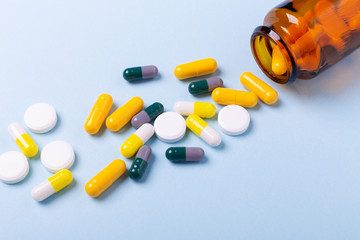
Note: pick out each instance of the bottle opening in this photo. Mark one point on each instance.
(272, 55)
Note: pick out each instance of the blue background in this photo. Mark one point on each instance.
(293, 175)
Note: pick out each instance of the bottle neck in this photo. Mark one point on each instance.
(272, 55)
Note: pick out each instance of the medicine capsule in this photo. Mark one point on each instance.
(278, 62)
(266, 93)
(205, 85)
(147, 115)
(202, 109)
(203, 130)
(52, 185)
(196, 68)
(228, 96)
(136, 140)
(140, 163)
(103, 180)
(23, 140)
(98, 113)
(123, 114)
(140, 73)
(184, 154)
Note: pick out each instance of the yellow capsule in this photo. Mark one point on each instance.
(123, 114)
(23, 140)
(136, 140)
(203, 130)
(266, 93)
(228, 96)
(98, 184)
(196, 68)
(98, 113)
(202, 109)
(278, 66)
(52, 185)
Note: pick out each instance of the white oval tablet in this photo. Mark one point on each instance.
(14, 167)
(233, 119)
(57, 155)
(40, 117)
(170, 127)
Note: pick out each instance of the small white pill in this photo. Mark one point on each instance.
(14, 167)
(57, 155)
(170, 127)
(233, 120)
(40, 117)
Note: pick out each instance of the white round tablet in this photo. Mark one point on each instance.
(14, 167)
(40, 117)
(57, 155)
(170, 127)
(233, 120)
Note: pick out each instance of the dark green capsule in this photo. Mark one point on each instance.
(154, 110)
(184, 154)
(138, 167)
(140, 73)
(205, 85)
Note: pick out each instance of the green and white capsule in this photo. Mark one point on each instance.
(205, 85)
(140, 163)
(140, 73)
(184, 154)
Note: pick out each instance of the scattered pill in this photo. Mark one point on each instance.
(170, 127)
(147, 115)
(14, 167)
(103, 180)
(98, 113)
(136, 140)
(184, 154)
(205, 85)
(23, 140)
(278, 66)
(57, 155)
(202, 109)
(203, 130)
(52, 185)
(266, 93)
(233, 120)
(196, 68)
(140, 73)
(40, 117)
(123, 114)
(140, 163)
(228, 96)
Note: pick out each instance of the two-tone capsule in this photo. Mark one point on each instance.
(123, 114)
(205, 85)
(23, 140)
(195, 68)
(228, 96)
(203, 130)
(202, 109)
(136, 140)
(184, 154)
(140, 73)
(140, 163)
(52, 185)
(98, 113)
(103, 180)
(147, 115)
(266, 93)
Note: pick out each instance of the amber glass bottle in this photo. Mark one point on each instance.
(301, 38)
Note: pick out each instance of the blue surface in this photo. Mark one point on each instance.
(293, 175)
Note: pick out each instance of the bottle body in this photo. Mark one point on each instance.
(301, 38)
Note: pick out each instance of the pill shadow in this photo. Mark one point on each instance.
(156, 78)
(59, 194)
(113, 186)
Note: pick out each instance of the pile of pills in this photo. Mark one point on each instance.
(169, 127)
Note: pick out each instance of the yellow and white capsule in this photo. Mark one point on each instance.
(136, 140)
(203, 130)
(23, 140)
(52, 185)
(202, 109)
(195, 68)
(266, 93)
